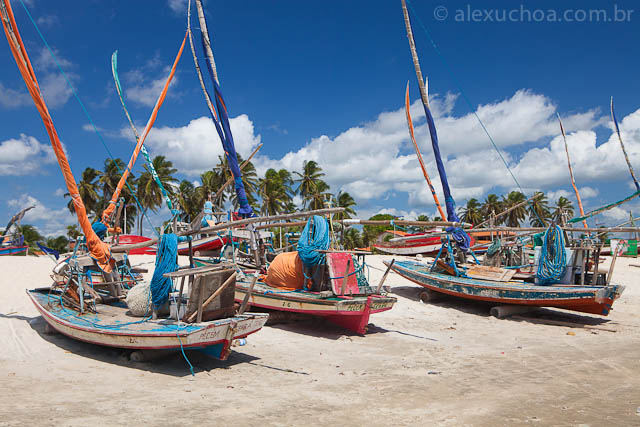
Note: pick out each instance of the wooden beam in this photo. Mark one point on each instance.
(230, 224)
(213, 296)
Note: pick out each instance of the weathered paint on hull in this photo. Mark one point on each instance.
(586, 299)
(210, 243)
(352, 313)
(13, 250)
(214, 336)
(409, 250)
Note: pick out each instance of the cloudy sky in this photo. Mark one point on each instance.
(324, 81)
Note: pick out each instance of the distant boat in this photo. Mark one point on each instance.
(11, 240)
(583, 298)
(416, 243)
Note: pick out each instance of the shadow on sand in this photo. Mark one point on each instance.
(170, 363)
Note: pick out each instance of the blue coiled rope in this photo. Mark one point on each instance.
(314, 238)
(553, 256)
(166, 262)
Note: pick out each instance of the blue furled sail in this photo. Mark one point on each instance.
(220, 117)
(461, 238)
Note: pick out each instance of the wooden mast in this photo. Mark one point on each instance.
(573, 181)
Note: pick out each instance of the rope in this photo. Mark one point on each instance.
(553, 256)
(314, 237)
(166, 262)
(86, 113)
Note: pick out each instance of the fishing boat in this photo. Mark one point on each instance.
(411, 243)
(96, 312)
(351, 311)
(582, 298)
(127, 239)
(11, 240)
(314, 280)
(113, 327)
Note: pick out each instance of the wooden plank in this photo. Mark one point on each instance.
(384, 276)
(484, 272)
(198, 270)
(200, 286)
(345, 277)
(202, 306)
(245, 301)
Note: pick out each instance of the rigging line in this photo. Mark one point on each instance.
(462, 92)
(86, 113)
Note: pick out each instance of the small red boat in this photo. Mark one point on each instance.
(412, 243)
(126, 239)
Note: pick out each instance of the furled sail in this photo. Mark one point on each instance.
(106, 215)
(221, 118)
(145, 153)
(98, 249)
(459, 235)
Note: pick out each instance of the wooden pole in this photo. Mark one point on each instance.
(494, 216)
(384, 276)
(420, 160)
(211, 298)
(230, 224)
(573, 181)
(247, 296)
(346, 276)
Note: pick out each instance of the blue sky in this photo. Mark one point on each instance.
(324, 80)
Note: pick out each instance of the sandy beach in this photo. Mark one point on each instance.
(444, 363)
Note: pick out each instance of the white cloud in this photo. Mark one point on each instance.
(50, 221)
(179, 6)
(60, 192)
(53, 85)
(588, 192)
(195, 148)
(24, 155)
(48, 21)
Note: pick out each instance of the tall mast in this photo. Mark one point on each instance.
(573, 181)
(624, 151)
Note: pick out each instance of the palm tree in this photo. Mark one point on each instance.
(149, 194)
(539, 214)
(275, 192)
(72, 232)
(471, 213)
(491, 206)
(352, 238)
(310, 184)
(517, 215)
(423, 217)
(60, 243)
(344, 200)
(187, 198)
(321, 195)
(87, 187)
(563, 207)
(31, 234)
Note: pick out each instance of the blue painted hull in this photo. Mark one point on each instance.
(587, 299)
(111, 326)
(13, 250)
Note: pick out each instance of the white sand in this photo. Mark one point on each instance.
(446, 363)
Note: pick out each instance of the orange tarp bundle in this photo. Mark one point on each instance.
(99, 250)
(286, 272)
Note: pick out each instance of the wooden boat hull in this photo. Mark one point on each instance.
(126, 239)
(13, 250)
(351, 313)
(586, 299)
(429, 244)
(214, 337)
(210, 243)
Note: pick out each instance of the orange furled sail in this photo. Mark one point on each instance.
(98, 249)
(112, 203)
(407, 104)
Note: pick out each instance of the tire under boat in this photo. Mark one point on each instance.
(114, 328)
(586, 299)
